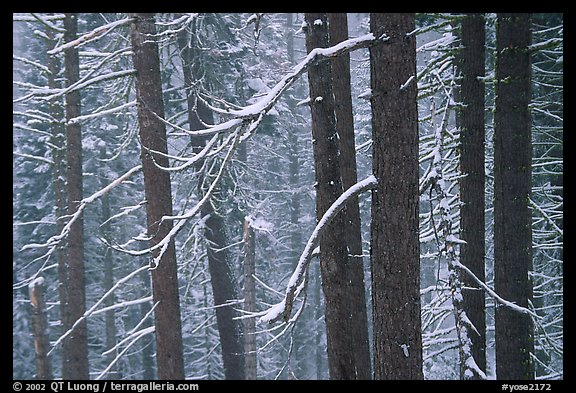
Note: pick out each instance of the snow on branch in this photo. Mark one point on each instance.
(184, 218)
(266, 103)
(284, 308)
(97, 33)
(504, 302)
(101, 113)
(55, 240)
(92, 309)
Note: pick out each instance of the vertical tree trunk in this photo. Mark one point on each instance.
(169, 352)
(39, 329)
(249, 299)
(333, 249)
(471, 122)
(147, 345)
(512, 187)
(76, 345)
(394, 229)
(221, 276)
(109, 317)
(58, 151)
(338, 32)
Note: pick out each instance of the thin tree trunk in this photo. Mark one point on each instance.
(221, 276)
(512, 188)
(249, 299)
(39, 329)
(333, 249)
(109, 317)
(395, 249)
(168, 330)
(76, 345)
(472, 152)
(338, 32)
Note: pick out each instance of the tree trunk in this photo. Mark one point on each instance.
(471, 123)
(394, 230)
(58, 151)
(39, 329)
(338, 32)
(512, 187)
(76, 345)
(334, 253)
(249, 299)
(109, 317)
(221, 276)
(169, 352)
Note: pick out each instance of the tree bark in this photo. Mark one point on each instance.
(338, 32)
(221, 276)
(58, 151)
(39, 329)
(168, 330)
(512, 188)
(472, 152)
(250, 299)
(76, 345)
(395, 250)
(334, 252)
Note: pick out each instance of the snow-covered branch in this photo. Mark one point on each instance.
(97, 33)
(284, 308)
(55, 240)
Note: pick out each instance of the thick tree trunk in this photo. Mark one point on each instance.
(39, 329)
(76, 345)
(394, 229)
(333, 249)
(58, 151)
(169, 352)
(512, 187)
(338, 32)
(221, 276)
(471, 122)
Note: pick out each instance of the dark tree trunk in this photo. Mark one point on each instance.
(221, 276)
(76, 345)
(58, 150)
(338, 32)
(333, 249)
(169, 352)
(40, 330)
(249, 299)
(471, 123)
(512, 187)
(394, 229)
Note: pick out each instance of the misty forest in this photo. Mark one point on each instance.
(287, 196)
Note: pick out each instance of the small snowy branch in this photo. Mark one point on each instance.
(91, 36)
(407, 83)
(504, 302)
(92, 310)
(123, 304)
(284, 308)
(42, 159)
(55, 240)
(106, 112)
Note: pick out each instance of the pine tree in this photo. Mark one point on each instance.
(169, 351)
(394, 241)
(512, 188)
